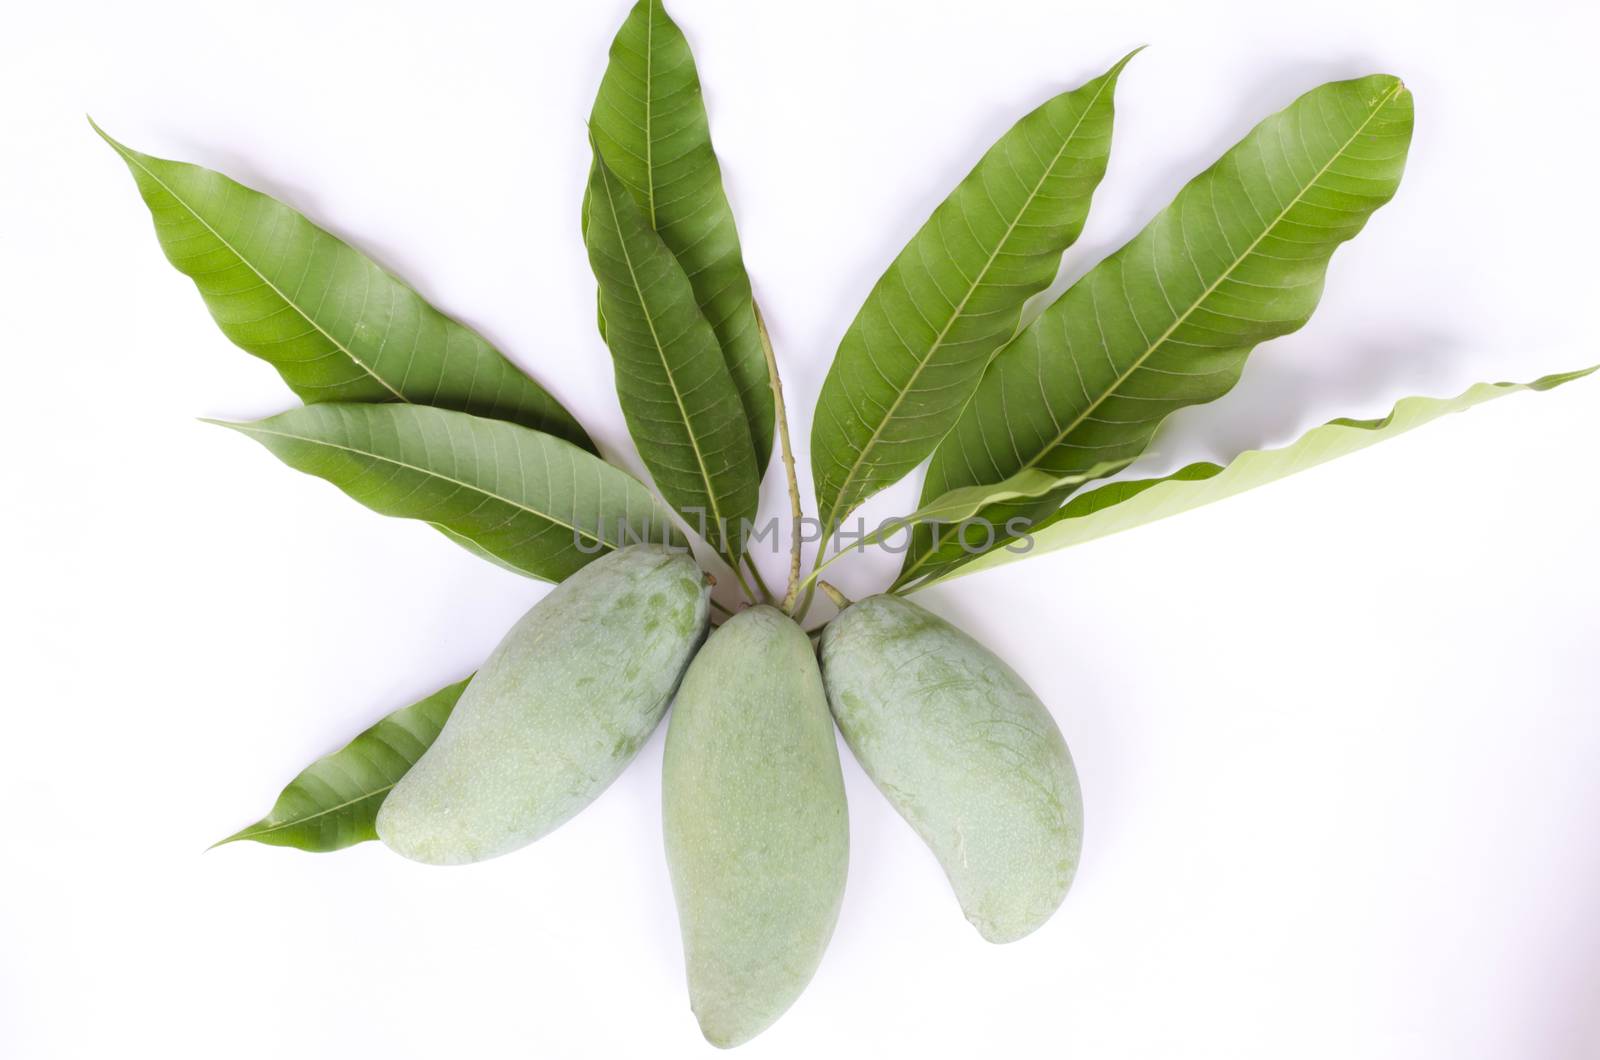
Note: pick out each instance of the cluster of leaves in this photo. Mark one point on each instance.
(414, 415)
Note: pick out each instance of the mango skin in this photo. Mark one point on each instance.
(965, 752)
(556, 713)
(756, 831)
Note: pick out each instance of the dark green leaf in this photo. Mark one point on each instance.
(680, 401)
(1168, 321)
(649, 124)
(919, 346)
(531, 502)
(334, 801)
(334, 324)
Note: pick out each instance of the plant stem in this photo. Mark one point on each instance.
(761, 583)
(743, 582)
(840, 600)
(801, 611)
(787, 451)
(724, 610)
(816, 569)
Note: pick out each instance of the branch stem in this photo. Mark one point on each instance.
(822, 564)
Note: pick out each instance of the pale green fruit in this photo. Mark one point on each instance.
(757, 837)
(967, 754)
(557, 711)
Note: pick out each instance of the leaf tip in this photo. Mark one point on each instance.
(234, 838)
(238, 428)
(1113, 74)
(115, 146)
(1388, 88)
(126, 153)
(1549, 382)
(600, 172)
(229, 424)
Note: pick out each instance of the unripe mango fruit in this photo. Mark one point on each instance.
(557, 711)
(756, 831)
(965, 752)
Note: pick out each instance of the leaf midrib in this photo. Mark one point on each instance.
(666, 366)
(649, 110)
(297, 821)
(956, 313)
(220, 238)
(249, 428)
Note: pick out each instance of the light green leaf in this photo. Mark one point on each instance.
(334, 801)
(680, 401)
(533, 503)
(649, 124)
(918, 348)
(1120, 506)
(334, 324)
(966, 502)
(1238, 258)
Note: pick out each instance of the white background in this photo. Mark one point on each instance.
(1338, 737)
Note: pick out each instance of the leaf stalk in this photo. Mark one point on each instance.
(796, 512)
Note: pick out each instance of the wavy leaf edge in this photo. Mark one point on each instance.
(1099, 513)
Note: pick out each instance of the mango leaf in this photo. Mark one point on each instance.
(649, 124)
(1168, 320)
(531, 502)
(334, 324)
(917, 349)
(679, 399)
(1119, 506)
(966, 502)
(472, 547)
(334, 801)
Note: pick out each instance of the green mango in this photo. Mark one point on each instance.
(556, 713)
(966, 753)
(756, 831)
